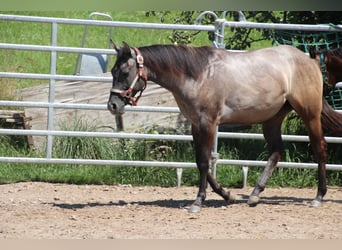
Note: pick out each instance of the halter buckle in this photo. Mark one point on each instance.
(140, 60)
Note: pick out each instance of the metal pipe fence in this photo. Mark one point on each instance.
(53, 48)
(51, 105)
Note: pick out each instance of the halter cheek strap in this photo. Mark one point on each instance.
(127, 94)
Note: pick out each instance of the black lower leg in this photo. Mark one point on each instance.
(218, 188)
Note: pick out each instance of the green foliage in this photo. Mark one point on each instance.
(183, 17)
(242, 38)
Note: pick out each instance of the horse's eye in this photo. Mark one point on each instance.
(125, 72)
(122, 77)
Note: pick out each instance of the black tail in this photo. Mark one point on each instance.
(331, 120)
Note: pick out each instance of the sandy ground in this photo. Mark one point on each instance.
(59, 211)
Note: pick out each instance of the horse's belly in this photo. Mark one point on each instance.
(247, 116)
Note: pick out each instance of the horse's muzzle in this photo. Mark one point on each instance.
(115, 105)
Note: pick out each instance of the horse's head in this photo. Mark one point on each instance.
(331, 59)
(128, 79)
(333, 67)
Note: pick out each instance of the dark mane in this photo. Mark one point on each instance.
(178, 60)
(335, 52)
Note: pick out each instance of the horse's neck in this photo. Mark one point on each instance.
(165, 80)
(174, 67)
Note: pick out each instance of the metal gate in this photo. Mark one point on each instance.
(51, 105)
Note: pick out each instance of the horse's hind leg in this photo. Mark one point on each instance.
(319, 147)
(311, 116)
(272, 134)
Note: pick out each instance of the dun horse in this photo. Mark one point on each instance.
(212, 86)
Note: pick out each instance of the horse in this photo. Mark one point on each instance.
(332, 66)
(213, 86)
(332, 59)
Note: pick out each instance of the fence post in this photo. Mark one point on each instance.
(214, 153)
(245, 175)
(53, 72)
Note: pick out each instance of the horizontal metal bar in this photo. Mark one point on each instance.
(27, 104)
(29, 160)
(120, 135)
(281, 26)
(55, 77)
(56, 48)
(280, 164)
(119, 24)
(85, 106)
(152, 109)
(231, 135)
(234, 24)
(298, 138)
(253, 136)
(97, 162)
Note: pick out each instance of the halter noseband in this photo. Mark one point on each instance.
(127, 94)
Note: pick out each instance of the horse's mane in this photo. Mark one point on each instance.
(177, 60)
(333, 52)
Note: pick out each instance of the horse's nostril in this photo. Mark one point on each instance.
(111, 106)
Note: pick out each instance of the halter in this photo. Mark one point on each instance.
(127, 94)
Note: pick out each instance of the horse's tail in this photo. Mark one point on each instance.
(331, 120)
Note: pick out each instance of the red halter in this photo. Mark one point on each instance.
(140, 75)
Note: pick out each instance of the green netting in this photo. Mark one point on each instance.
(304, 40)
(335, 98)
(320, 40)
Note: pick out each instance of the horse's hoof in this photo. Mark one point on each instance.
(315, 203)
(253, 200)
(232, 198)
(194, 209)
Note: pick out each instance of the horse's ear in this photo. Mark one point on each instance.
(114, 46)
(126, 47)
(327, 59)
(312, 52)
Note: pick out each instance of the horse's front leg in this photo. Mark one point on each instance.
(227, 196)
(203, 141)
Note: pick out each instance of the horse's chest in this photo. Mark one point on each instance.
(188, 108)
